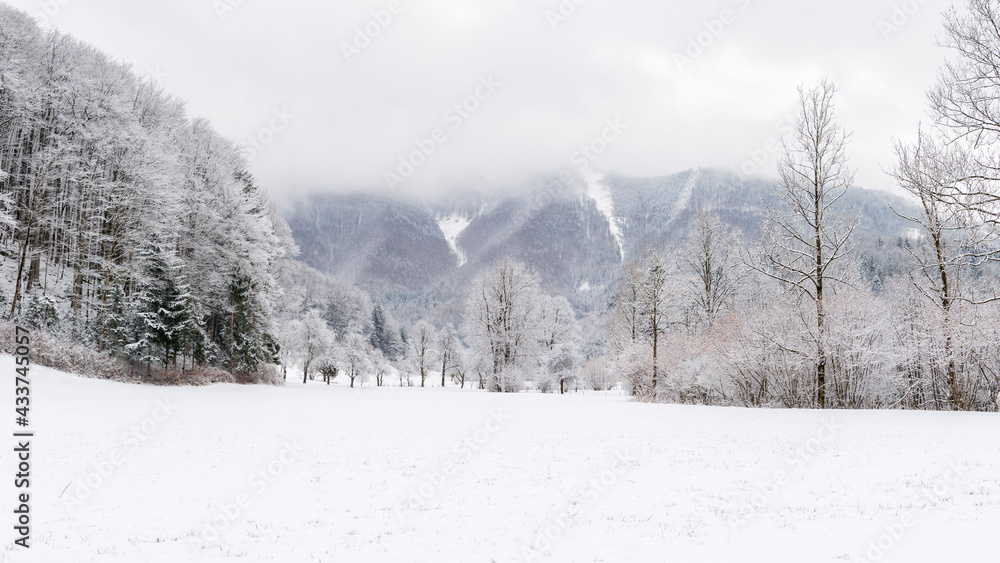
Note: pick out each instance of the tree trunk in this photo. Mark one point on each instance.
(950, 371)
(656, 342)
(821, 358)
(232, 337)
(20, 272)
(820, 313)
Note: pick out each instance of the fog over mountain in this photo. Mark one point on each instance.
(413, 254)
(697, 83)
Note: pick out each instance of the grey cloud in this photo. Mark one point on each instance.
(557, 86)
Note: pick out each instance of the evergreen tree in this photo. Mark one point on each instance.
(168, 323)
(40, 311)
(117, 325)
(380, 337)
(251, 344)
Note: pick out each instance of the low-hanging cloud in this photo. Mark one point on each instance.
(366, 84)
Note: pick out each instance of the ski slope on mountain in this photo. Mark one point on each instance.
(125, 473)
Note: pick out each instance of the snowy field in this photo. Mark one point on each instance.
(317, 473)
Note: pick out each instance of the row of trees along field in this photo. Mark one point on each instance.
(789, 322)
(513, 337)
(785, 320)
(125, 224)
(138, 234)
(130, 228)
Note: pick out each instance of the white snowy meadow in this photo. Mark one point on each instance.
(329, 473)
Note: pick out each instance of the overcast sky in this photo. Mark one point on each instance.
(557, 80)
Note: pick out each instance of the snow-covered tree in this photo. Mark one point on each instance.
(380, 366)
(422, 349)
(41, 311)
(560, 344)
(710, 262)
(168, 315)
(808, 242)
(656, 300)
(96, 162)
(597, 375)
(380, 332)
(311, 338)
(933, 174)
(626, 315)
(448, 350)
(502, 321)
(356, 362)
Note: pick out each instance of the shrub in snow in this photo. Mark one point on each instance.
(61, 353)
(596, 375)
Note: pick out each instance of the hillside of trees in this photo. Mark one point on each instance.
(125, 225)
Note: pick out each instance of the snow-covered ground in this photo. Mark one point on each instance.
(317, 473)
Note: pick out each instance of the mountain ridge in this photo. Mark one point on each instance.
(411, 254)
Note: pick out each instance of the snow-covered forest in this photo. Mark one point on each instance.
(127, 227)
(138, 241)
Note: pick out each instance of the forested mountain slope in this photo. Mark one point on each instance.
(414, 254)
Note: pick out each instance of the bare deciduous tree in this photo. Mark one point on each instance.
(655, 301)
(808, 242)
(964, 103)
(710, 263)
(448, 351)
(626, 308)
(933, 174)
(423, 339)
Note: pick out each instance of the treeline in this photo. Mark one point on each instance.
(797, 318)
(789, 322)
(124, 223)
